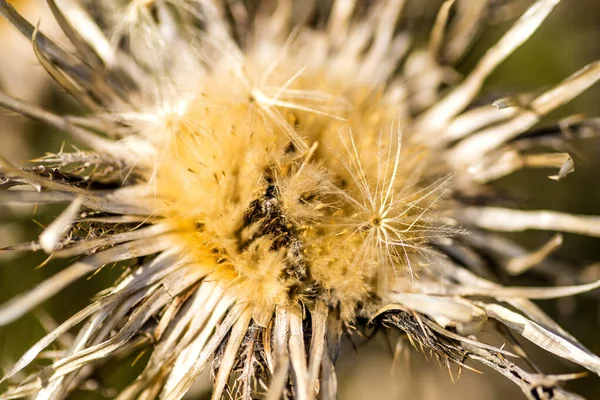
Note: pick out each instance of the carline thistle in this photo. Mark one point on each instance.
(272, 175)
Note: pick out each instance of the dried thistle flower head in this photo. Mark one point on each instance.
(273, 178)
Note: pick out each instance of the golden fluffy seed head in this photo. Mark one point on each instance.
(291, 202)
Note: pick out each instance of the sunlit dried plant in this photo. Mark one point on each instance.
(271, 175)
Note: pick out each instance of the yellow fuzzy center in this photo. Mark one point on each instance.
(292, 192)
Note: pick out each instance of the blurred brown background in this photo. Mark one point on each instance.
(568, 40)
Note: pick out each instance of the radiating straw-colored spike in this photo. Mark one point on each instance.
(27, 246)
(436, 38)
(80, 44)
(138, 280)
(568, 89)
(469, 16)
(21, 304)
(198, 332)
(52, 235)
(75, 91)
(328, 381)
(231, 353)
(80, 341)
(279, 366)
(279, 379)
(152, 391)
(317, 346)
(247, 374)
(438, 307)
(83, 336)
(443, 310)
(168, 316)
(279, 22)
(298, 356)
(33, 352)
(208, 350)
(521, 264)
(203, 297)
(530, 309)
(119, 219)
(141, 314)
(166, 347)
(572, 127)
(383, 38)
(152, 271)
(476, 146)
(358, 39)
(543, 338)
(509, 220)
(438, 116)
(111, 240)
(56, 388)
(88, 30)
(461, 337)
(152, 304)
(50, 374)
(38, 182)
(468, 122)
(530, 383)
(511, 161)
(56, 52)
(281, 331)
(98, 201)
(37, 114)
(526, 292)
(82, 378)
(339, 20)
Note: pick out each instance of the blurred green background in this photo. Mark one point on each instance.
(568, 40)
